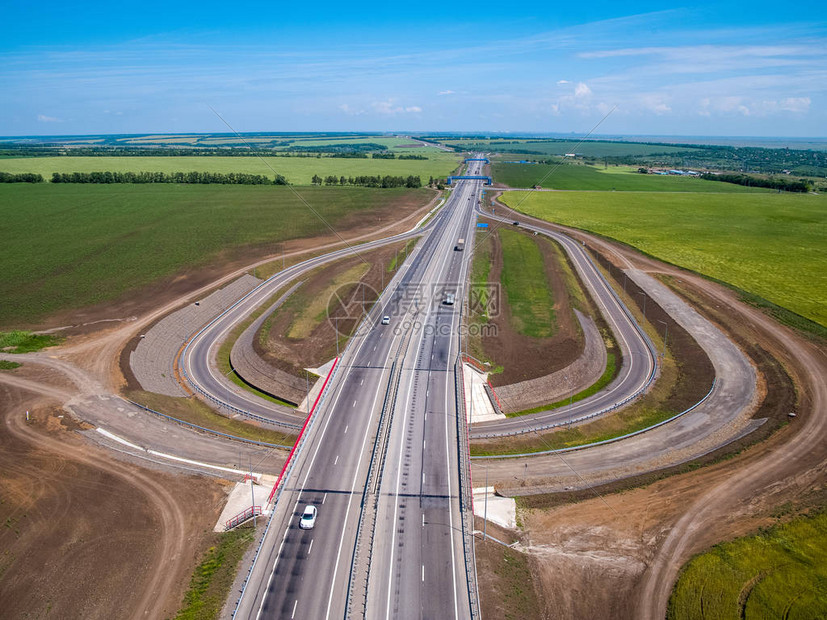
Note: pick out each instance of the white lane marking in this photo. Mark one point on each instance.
(374, 347)
(354, 404)
(362, 382)
(337, 460)
(350, 503)
(423, 573)
(346, 427)
(324, 499)
(310, 548)
(424, 443)
(294, 608)
(401, 453)
(423, 519)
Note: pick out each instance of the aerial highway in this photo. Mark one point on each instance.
(418, 566)
(379, 459)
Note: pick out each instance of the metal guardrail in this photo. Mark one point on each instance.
(368, 508)
(207, 430)
(466, 493)
(605, 441)
(239, 411)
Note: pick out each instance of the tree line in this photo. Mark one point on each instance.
(779, 183)
(24, 177)
(232, 178)
(369, 181)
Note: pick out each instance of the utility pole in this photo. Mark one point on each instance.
(665, 337)
(485, 515)
(252, 492)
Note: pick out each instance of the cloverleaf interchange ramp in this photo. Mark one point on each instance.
(418, 510)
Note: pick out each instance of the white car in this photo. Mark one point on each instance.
(386, 320)
(449, 299)
(308, 519)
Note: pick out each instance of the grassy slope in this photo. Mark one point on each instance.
(298, 170)
(68, 246)
(770, 244)
(213, 577)
(620, 178)
(529, 296)
(780, 573)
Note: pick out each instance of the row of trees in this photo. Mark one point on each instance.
(370, 181)
(25, 177)
(779, 183)
(232, 178)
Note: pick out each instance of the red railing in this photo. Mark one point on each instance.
(301, 432)
(241, 517)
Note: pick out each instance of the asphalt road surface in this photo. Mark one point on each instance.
(418, 569)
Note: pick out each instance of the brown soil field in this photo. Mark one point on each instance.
(292, 355)
(85, 535)
(523, 357)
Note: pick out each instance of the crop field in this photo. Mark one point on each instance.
(588, 148)
(780, 573)
(297, 170)
(530, 297)
(772, 245)
(621, 178)
(69, 246)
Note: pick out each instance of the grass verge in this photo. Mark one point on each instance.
(26, 342)
(213, 577)
(194, 411)
(780, 572)
(507, 587)
(529, 294)
(7, 365)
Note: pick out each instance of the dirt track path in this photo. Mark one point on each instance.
(148, 586)
(798, 460)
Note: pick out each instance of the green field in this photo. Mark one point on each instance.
(588, 148)
(69, 246)
(780, 573)
(569, 176)
(772, 245)
(529, 296)
(297, 170)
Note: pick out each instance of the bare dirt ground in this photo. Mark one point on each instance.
(87, 536)
(523, 357)
(618, 555)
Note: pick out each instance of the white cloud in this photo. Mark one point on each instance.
(581, 91)
(350, 111)
(445, 92)
(561, 82)
(795, 104)
(48, 119)
(389, 108)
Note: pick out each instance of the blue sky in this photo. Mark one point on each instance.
(732, 69)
